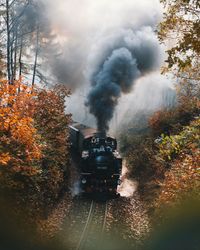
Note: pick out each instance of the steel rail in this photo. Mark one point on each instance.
(104, 220)
(85, 231)
(85, 228)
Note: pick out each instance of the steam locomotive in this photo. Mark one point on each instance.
(100, 163)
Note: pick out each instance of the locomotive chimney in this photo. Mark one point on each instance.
(101, 134)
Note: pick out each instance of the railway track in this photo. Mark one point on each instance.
(94, 228)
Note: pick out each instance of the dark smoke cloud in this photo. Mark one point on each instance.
(99, 41)
(136, 54)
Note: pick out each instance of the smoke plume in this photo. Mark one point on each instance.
(135, 54)
(100, 47)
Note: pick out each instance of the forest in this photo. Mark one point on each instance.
(161, 152)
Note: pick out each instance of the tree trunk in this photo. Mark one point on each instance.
(8, 39)
(20, 59)
(11, 58)
(36, 56)
(15, 56)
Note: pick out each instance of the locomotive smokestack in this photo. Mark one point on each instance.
(134, 54)
(101, 134)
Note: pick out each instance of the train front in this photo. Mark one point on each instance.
(101, 165)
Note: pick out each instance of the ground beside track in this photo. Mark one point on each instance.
(127, 222)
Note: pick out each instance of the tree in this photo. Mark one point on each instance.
(52, 124)
(20, 145)
(181, 151)
(21, 35)
(2, 64)
(181, 27)
(34, 144)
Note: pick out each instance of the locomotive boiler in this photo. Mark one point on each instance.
(100, 163)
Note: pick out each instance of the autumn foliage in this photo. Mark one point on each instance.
(20, 147)
(181, 24)
(52, 125)
(171, 121)
(165, 159)
(33, 142)
(180, 152)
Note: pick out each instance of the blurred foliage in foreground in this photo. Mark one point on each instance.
(180, 230)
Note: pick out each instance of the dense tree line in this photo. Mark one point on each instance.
(34, 159)
(165, 158)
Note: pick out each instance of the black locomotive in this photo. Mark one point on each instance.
(100, 163)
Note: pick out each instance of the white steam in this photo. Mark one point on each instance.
(128, 187)
(151, 93)
(75, 188)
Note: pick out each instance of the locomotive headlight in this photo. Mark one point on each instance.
(119, 182)
(83, 181)
(85, 154)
